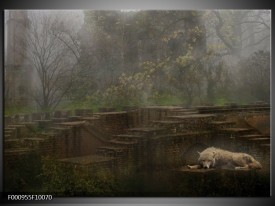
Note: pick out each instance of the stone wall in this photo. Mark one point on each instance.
(112, 123)
(68, 143)
(177, 132)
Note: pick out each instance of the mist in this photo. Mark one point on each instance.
(118, 103)
(137, 58)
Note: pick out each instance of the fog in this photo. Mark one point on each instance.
(136, 58)
(120, 102)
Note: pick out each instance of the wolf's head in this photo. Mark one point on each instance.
(252, 163)
(207, 160)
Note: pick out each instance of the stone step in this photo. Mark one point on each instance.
(265, 145)
(128, 137)
(17, 130)
(250, 136)
(259, 140)
(190, 134)
(59, 129)
(29, 125)
(12, 143)
(9, 132)
(168, 122)
(16, 126)
(86, 160)
(190, 113)
(59, 120)
(222, 123)
(171, 126)
(184, 112)
(32, 142)
(127, 144)
(237, 131)
(116, 149)
(17, 151)
(147, 131)
(111, 151)
(8, 128)
(74, 118)
(71, 124)
(90, 119)
(193, 116)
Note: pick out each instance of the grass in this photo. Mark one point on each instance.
(221, 101)
(165, 99)
(8, 111)
(162, 100)
(77, 105)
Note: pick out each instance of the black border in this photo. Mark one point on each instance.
(147, 5)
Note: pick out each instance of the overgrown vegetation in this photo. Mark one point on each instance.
(46, 175)
(66, 180)
(122, 59)
(10, 110)
(23, 173)
(254, 77)
(34, 175)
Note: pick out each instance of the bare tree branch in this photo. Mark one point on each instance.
(255, 22)
(50, 58)
(219, 33)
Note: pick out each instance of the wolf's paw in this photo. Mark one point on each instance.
(194, 166)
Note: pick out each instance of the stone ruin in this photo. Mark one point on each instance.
(154, 138)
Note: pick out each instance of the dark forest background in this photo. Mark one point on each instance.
(124, 59)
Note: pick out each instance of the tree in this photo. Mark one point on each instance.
(240, 31)
(254, 77)
(51, 59)
(231, 36)
(186, 78)
(195, 43)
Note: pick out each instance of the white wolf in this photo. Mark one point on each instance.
(217, 158)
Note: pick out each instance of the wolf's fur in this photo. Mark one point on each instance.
(217, 158)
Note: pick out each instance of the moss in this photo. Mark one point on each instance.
(18, 110)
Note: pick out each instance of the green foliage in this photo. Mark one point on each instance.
(218, 77)
(123, 43)
(254, 77)
(72, 105)
(21, 174)
(164, 99)
(186, 77)
(68, 180)
(131, 184)
(128, 92)
(221, 101)
(132, 90)
(11, 110)
(185, 60)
